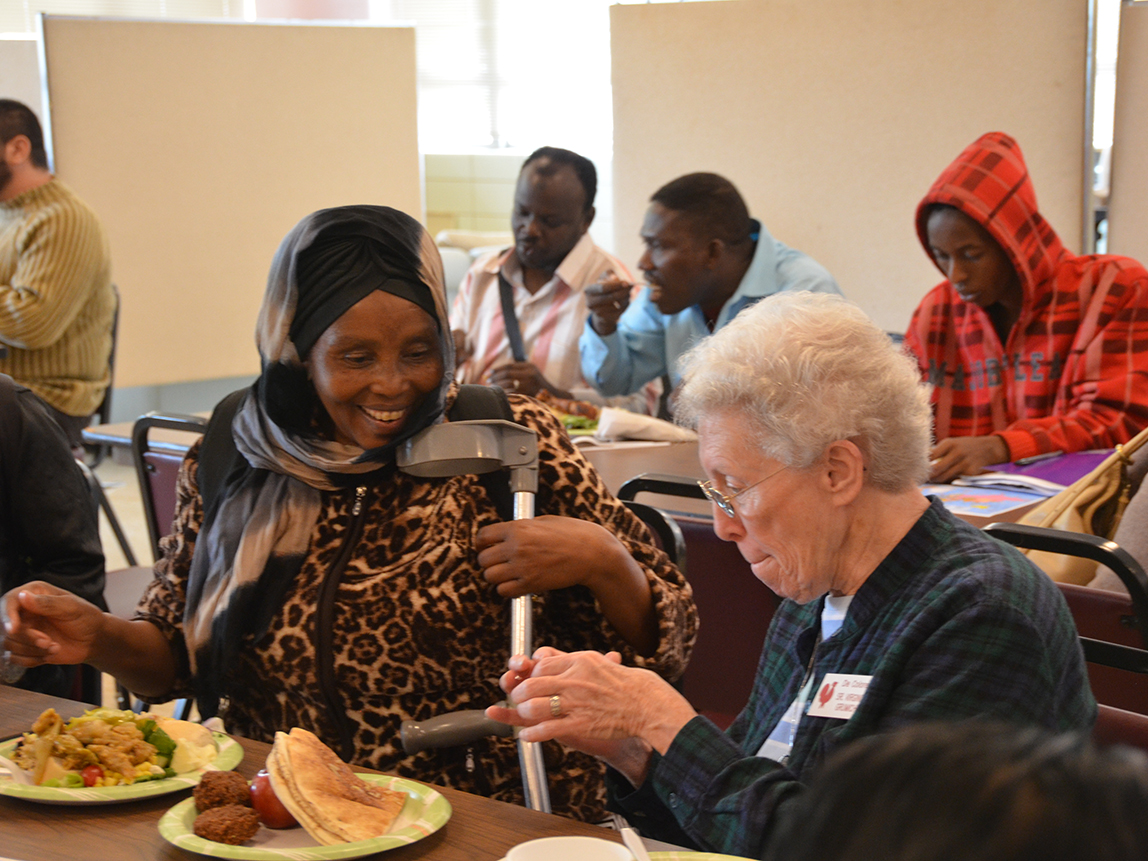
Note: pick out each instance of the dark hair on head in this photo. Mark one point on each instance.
(583, 168)
(927, 211)
(712, 203)
(933, 207)
(16, 118)
(972, 791)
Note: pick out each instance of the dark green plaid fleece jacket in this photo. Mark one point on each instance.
(953, 624)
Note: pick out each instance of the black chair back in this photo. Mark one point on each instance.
(667, 533)
(661, 483)
(157, 468)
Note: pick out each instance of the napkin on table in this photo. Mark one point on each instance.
(622, 424)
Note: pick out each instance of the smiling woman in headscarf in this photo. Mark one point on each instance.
(310, 583)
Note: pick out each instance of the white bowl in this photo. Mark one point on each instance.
(569, 849)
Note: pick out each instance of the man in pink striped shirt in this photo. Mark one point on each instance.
(543, 277)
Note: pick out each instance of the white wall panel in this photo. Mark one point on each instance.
(201, 144)
(833, 117)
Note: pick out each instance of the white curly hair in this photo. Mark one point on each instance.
(808, 369)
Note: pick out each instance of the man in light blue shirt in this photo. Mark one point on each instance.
(705, 261)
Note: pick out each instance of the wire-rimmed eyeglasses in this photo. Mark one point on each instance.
(725, 503)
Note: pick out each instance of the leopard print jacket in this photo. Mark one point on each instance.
(416, 630)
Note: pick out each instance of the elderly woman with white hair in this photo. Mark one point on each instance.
(814, 432)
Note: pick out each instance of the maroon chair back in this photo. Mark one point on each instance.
(735, 609)
(1109, 617)
(157, 469)
(162, 472)
(1117, 726)
(1103, 615)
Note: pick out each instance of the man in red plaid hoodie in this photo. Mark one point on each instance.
(1029, 347)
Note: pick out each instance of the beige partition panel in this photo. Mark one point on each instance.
(20, 72)
(834, 117)
(201, 144)
(1128, 195)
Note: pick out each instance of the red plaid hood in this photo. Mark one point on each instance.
(1072, 372)
(989, 182)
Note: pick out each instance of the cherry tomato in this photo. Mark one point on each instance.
(271, 811)
(90, 774)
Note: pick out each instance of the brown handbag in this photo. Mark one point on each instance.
(1093, 504)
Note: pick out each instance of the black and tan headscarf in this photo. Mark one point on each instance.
(255, 536)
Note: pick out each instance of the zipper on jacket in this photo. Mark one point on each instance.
(324, 624)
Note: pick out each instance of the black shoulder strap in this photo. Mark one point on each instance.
(487, 402)
(510, 319)
(218, 456)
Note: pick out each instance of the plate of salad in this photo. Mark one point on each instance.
(579, 425)
(106, 756)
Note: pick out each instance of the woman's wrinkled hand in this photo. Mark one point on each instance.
(589, 701)
(47, 625)
(522, 557)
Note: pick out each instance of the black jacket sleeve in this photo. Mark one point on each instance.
(49, 528)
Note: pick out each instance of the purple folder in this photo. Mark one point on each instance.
(1062, 469)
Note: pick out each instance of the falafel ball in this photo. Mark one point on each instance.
(231, 823)
(218, 788)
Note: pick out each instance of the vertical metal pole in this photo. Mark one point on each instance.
(1088, 243)
(530, 760)
(521, 619)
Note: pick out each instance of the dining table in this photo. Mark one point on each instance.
(479, 829)
(620, 462)
(617, 461)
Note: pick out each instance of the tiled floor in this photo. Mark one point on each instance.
(119, 483)
(120, 486)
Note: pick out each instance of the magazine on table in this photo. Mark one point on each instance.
(979, 501)
(1011, 481)
(1044, 474)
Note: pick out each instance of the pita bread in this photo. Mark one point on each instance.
(330, 801)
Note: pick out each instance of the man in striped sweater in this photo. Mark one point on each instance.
(57, 303)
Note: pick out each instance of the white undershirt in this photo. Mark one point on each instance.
(780, 742)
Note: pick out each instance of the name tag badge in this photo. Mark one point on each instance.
(839, 695)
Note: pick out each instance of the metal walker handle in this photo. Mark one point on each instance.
(475, 447)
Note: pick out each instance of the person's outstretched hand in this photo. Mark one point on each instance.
(47, 625)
